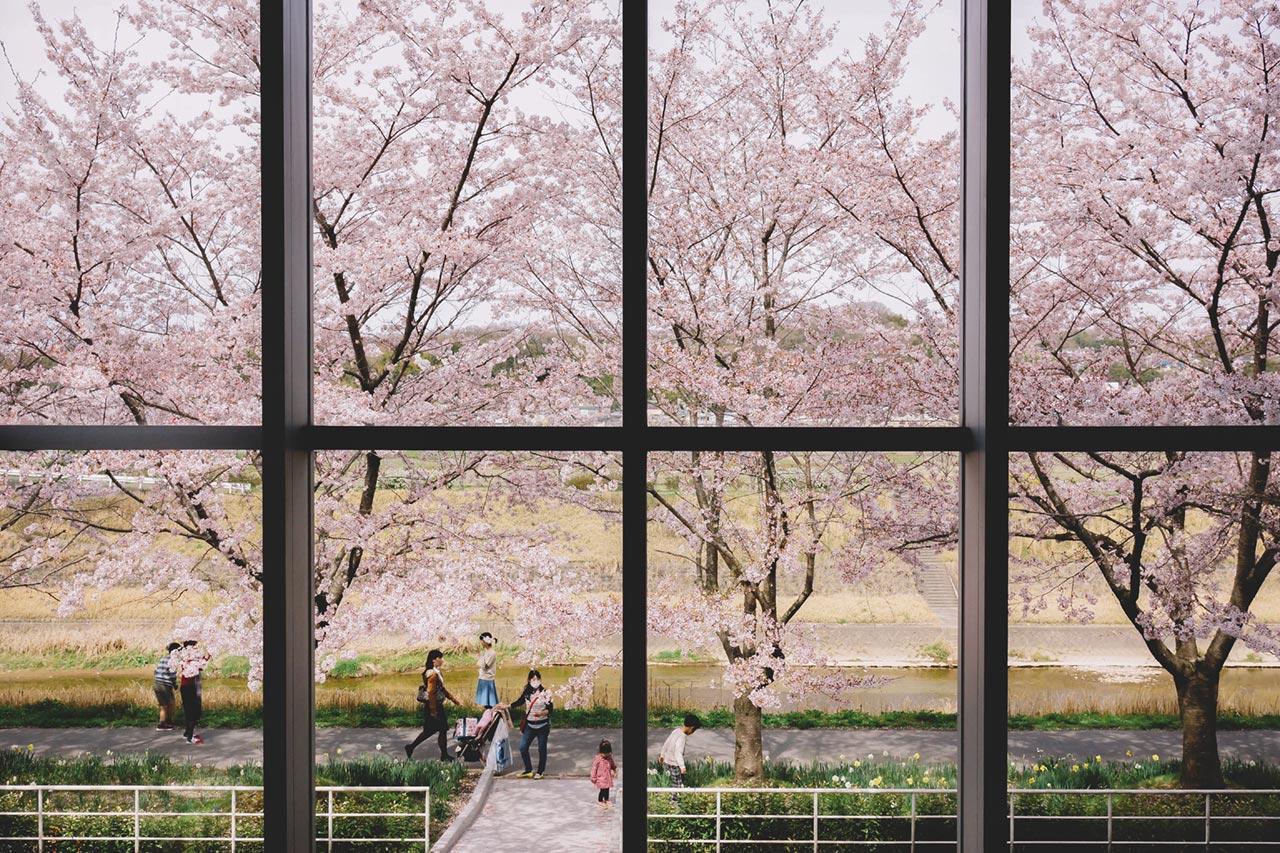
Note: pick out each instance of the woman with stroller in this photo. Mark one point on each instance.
(537, 722)
(432, 694)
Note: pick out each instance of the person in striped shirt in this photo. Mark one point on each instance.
(166, 682)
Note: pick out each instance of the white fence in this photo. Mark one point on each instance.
(1208, 828)
(14, 475)
(244, 825)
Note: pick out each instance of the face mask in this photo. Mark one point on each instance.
(535, 684)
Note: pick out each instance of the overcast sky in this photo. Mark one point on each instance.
(933, 73)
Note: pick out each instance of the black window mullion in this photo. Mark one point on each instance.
(635, 414)
(984, 395)
(288, 731)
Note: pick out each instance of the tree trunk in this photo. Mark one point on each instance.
(1198, 707)
(748, 743)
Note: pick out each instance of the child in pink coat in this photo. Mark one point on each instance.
(603, 771)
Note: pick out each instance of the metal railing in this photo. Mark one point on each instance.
(1109, 829)
(1104, 831)
(48, 815)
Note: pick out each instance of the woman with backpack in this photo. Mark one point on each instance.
(537, 721)
(432, 694)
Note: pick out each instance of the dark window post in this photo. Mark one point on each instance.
(288, 734)
(635, 413)
(984, 395)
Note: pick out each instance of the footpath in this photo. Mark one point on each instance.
(571, 751)
(545, 814)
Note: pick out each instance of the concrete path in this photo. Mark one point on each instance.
(545, 814)
(571, 751)
(833, 745)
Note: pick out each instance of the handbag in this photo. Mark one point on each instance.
(422, 694)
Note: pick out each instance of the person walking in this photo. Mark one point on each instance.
(603, 771)
(191, 664)
(672, 755)
(537, 722)
(165, 683)
(432, 694)
(487, 663)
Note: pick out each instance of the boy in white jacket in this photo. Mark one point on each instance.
(672, 755)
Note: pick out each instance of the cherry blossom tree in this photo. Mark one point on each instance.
(467, 215)
(439, 557)
(752, 524)
(791, 195)
(1144, 172)
(1143, 270)
(1183, 542)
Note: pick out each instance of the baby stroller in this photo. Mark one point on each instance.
(472, 735)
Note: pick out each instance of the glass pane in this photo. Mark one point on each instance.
(802, 635)
(1142, 214)
(131, 648)
(467, 213)
(804, 216)
(129, 172)
(1142, 648)
(419, 554)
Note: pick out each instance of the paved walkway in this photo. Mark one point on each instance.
(940, 746)
(544, 815)
(571, 751)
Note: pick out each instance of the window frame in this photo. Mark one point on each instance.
(288, 435)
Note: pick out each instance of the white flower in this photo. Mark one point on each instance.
(377, 746)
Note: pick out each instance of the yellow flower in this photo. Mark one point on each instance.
(1097, 758)
(875, 782)
(911, 780)
(1031, 781)
(1086, 764)
(1129, 753)
(915, 757)
(857, 763)
(1155, 758)
(1075, 768)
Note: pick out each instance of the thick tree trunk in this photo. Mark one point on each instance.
(748, 742)
(1198, 706)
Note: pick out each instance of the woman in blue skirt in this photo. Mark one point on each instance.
(486, 690)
